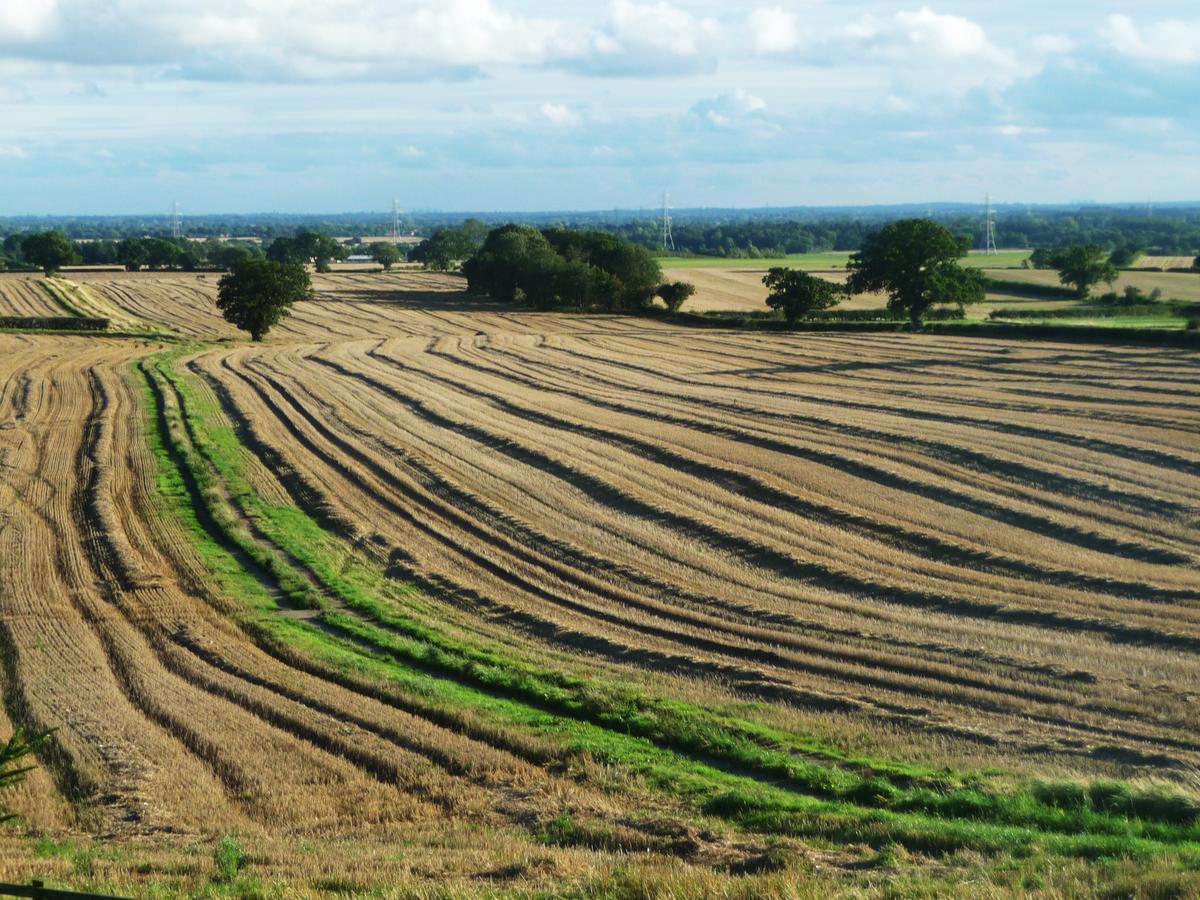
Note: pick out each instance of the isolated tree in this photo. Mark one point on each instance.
(257, 293)
(49, 250)
(674, 293)
(1083, 265)
(915, 261)
(1196, 262)
(13, 755)
(798, 293)
(387, 255)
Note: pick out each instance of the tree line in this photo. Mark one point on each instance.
(1173, 231)
(1176, 233)
(52, 250)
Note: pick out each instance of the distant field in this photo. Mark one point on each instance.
(1174, 285)
(1164, 322)
(820, 261)
(741, 288)
(1165, 262)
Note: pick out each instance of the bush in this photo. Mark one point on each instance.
(1089, 312)
(1131, 296)
(53, 323)
(1025, 289)
(229, 858)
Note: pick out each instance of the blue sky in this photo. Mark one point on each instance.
(115, 106)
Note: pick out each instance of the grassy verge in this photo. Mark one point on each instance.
(754, 776)
(1155, 330)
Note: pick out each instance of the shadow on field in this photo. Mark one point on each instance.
(411, 291)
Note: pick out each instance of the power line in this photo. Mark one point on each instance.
(990, 240)
(668, 239)
(176, 221)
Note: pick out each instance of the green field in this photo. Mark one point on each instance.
(1164, 322)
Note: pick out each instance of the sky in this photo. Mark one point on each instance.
(127, 106)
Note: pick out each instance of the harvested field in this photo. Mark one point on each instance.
(423, 572)
(1164, 262)
(26, 295)
(1174, 285)
(742, 289)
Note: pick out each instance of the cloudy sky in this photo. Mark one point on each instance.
(294, 105)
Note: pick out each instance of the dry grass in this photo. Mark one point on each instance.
(741, 288)
(946, 550)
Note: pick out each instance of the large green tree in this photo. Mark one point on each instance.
(49, 250)
(557, 268)
(257, 293)
(305, 247)
(1082, 266)
(915, 261)
(387, 255)
(799, 293)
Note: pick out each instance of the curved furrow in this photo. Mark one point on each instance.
(1109, 710)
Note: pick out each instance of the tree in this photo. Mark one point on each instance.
(1124, 256)
(257, 293)
(387, 255)
(674, 293)
(916, 262)
(1083, 265)
(226, 256)
(305, 247)
(131, 253)
(49, 250)
(12, 754)
(162, 253)
(798, 293)
(448, 246)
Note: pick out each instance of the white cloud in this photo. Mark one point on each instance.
(1013, 130)
(929, 53)
(1143, 124)
(560, 114)
(648, 38)
(13, 151)
(26, 20)
(1053, 44)
(773, 30)
(738, 109)
(661, 26)
(1171, 41)
(945, 36)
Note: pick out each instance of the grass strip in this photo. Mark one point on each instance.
(723, 760)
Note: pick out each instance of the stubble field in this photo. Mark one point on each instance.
(428, 592)
(740, 288)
